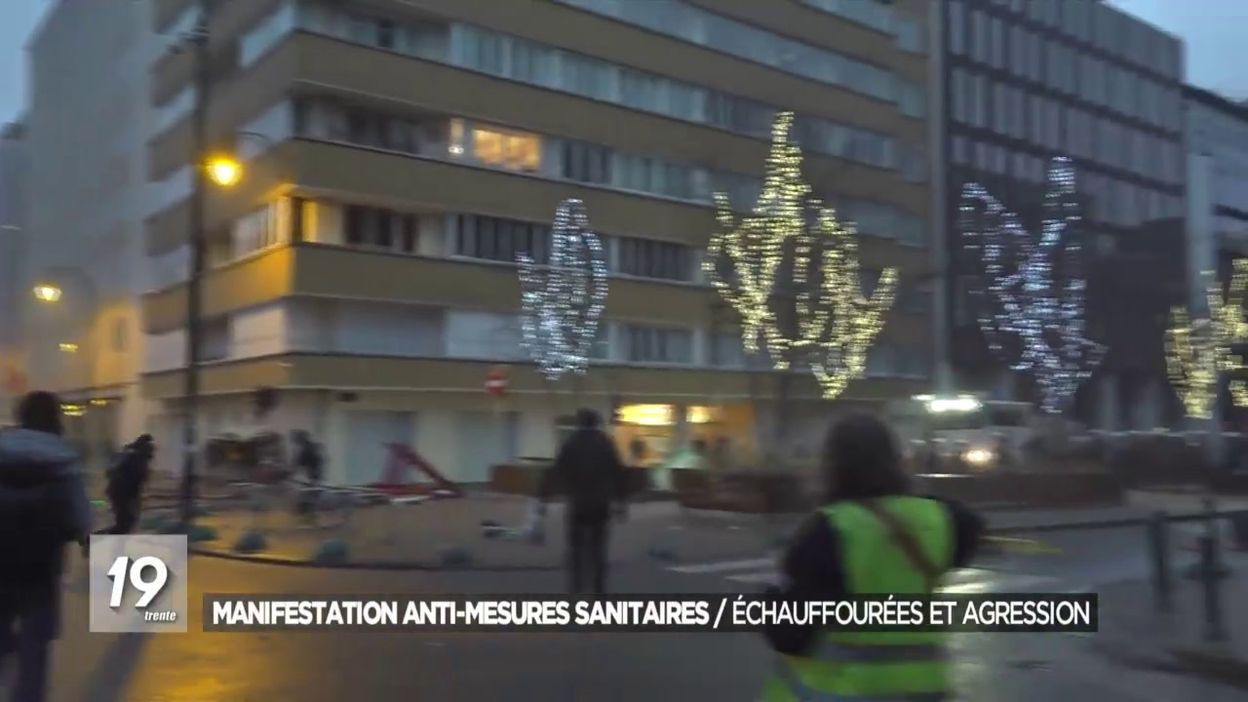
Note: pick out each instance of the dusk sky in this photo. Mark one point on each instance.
(1213, 30)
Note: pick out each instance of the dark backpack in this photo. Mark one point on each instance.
(36, 521)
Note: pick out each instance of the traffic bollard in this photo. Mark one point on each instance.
(1210, 574)
(1162, 585)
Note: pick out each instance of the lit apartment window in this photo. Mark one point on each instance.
(516, 151)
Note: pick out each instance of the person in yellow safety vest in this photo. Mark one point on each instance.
(872, 537)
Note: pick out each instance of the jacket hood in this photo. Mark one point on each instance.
(23, 448)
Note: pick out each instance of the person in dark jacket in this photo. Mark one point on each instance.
(861, 463)
(126, 480)
(309, 461)
(589, 473)
(43, 506)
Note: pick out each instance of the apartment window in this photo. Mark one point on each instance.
(1018, 50)
(380, 228)
(727, 351)
(646, 344)
(957, 27)
(959, 150)
(653, 259)
(498, 239)
(699, 26)
(1036, 60)
(998, 30)
(1037, 119)
(980, 36)
(981, 100)
(1018, 113)
(1000, 114)
(262, 229)
(961, 96)
(516, 151)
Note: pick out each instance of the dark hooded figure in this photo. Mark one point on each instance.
(43, 506)
(589, 473)
(126, 480)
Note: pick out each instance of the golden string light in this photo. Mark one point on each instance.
(1199, 352)
(834, 324)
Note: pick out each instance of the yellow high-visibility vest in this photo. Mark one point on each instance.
(875, 666)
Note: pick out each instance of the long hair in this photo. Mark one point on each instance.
(40, 411)
(861, 460)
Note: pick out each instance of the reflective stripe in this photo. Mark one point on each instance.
(803, 693)
(831, 652)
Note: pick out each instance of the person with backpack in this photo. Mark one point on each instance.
(126, 480)
(872, 537)
(43, 506)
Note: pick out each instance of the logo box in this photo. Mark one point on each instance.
(125, 571)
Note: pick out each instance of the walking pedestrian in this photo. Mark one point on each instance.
(872, 538)
(43, 506)
(310, 462)
(589, 473)
(126, 480)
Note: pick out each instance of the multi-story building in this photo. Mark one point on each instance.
(1217, 195)
(12, 254)
(408, 151)
(86, 129)
(1023, 82)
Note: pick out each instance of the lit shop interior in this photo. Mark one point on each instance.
(684, 436)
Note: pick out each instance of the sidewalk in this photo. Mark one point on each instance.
(1135, 634)
(447, 534)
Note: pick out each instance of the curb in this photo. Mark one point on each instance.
(392, 566)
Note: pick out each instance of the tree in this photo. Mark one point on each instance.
(1199, 352)
(562, 302)
(790, 271)
(1033, 315)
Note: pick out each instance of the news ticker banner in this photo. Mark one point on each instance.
(139, 584)
(1029, 612)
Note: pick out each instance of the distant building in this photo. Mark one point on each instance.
(364, 268)
(13, 294)
(1021, 83)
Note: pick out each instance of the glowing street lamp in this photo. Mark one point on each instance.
(224, 171)
(47, 293)
(68, 347)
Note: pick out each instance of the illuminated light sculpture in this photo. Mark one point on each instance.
(1199, 351)
(1027, 304)
(562, 301)
(833, 323)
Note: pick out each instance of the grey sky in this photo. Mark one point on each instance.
(1213, 30)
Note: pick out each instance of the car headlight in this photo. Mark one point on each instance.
(978, 456)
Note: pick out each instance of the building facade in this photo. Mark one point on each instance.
(1022, 83)
(86, 201)
(13, 167)
(407, 152)
(1217, 202)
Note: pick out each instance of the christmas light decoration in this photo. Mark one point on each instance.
(833, 324)
(562, 302)
(1199, 352)
(743, 257)
(1028, 307)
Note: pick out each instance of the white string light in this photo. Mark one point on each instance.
(1027, 304)
(834, 323)
(562, 303)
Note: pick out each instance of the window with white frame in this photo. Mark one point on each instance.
(264, 228)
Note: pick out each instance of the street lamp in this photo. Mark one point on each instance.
(47, 293)
(69, 347)
(224, 171)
